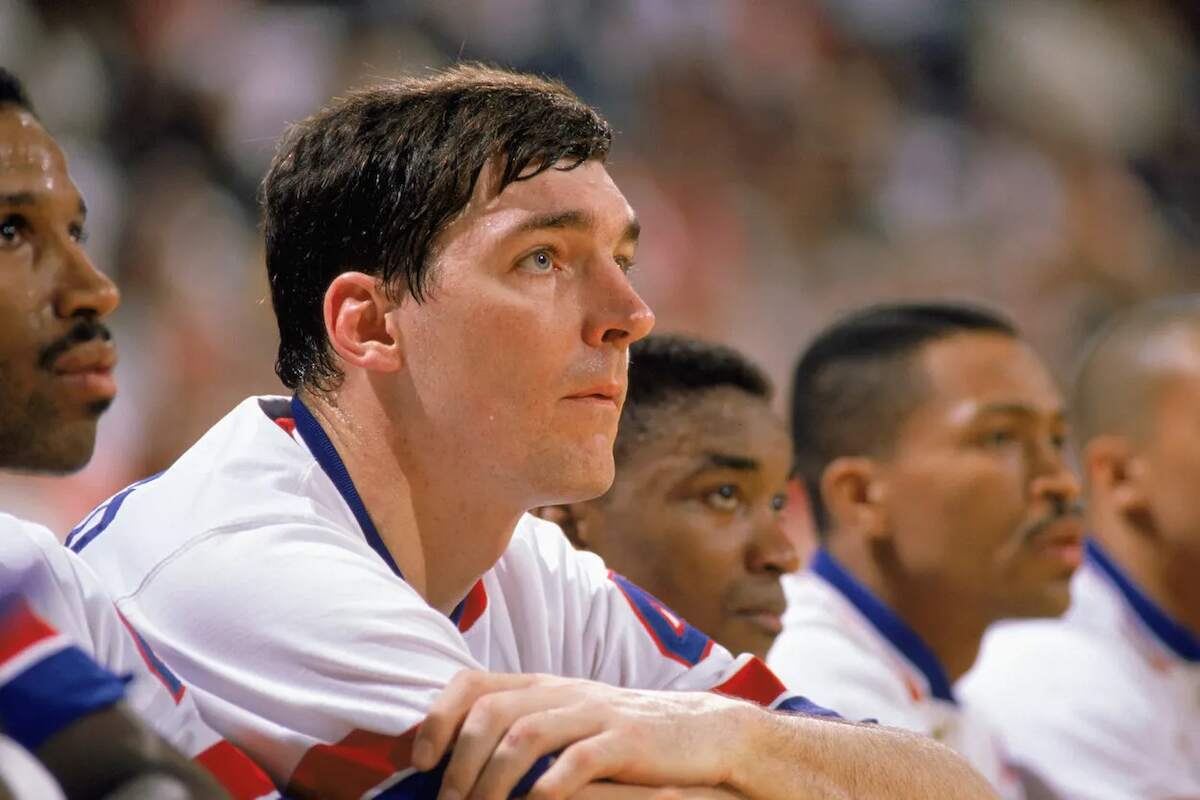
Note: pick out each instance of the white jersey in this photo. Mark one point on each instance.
(65, 652)
(1103, 704)
(255, 569)
(851, 652)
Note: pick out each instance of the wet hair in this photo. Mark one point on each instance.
(1123, 365)
(860, 379)
(370, 182)
(664, 368)
(12, 92)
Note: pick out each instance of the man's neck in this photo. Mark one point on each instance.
(1167, 577)
(442, 536)
(952, 630)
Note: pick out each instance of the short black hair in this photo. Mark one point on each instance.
(667, 367)
(856, 383)
(13, 92)
(368, 183)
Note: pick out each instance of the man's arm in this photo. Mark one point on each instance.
(496, 726)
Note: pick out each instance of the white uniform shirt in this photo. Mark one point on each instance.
(66, 652)
(1103, 704)
(254, 567)
(851, 652)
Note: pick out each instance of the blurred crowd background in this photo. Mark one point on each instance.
(789, 160)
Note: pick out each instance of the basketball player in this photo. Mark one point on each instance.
(1105, 702)
(349, 578)
(78, 717)
(693, 516)
(930, 439)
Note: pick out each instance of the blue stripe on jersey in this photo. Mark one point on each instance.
(679, 640)
(894, 629)
(54, 693)
(1172, 633)
(423, 785)
(802, 705)
(110, 513)
(327, 456)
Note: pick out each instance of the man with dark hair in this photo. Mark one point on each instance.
(56, 358)
(930, 439)
(1103, 703)
(349, 576)
(702, 464)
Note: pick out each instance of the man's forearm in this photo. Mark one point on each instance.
(787, 756)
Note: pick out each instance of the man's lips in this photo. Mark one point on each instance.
(603, 394)
(93, 356)
(88, 368)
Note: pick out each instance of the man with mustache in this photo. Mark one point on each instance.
(1105, 702)
(92, 731)
(693, 515)
(349, 576)
(930, 440)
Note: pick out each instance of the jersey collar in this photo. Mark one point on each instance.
(895, 630)
(327, 456)
(1174, 635)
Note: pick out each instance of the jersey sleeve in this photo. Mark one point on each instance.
(102, 659)
(318, 662)
(627, 637)
(47, 682)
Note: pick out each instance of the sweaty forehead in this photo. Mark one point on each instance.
(978, 369)
(30, 161)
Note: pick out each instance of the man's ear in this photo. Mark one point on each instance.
(1117, 473)
(855, 494)
(572, 518)
(358, 323)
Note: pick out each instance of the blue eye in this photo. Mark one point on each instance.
(539, 262)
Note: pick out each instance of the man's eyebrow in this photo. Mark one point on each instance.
(1019, 409)
(727, 461)
(573, 219)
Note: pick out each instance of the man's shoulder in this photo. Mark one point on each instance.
(246, 474)
(1034, 666)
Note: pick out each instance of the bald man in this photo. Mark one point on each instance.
(1105, 702)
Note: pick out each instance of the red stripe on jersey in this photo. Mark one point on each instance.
(349, 768)
(287, 423)
(234, 770)
(754, 682)
(473, 607)
(20, 629)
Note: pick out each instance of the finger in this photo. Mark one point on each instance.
(450, 708)
(528, 739)
(485, 724)
(580, 764)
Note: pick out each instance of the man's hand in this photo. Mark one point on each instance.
(504, 723)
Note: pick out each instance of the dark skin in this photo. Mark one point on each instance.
(55, 361)
(694, 514)
(55, 381)
(971, 516)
